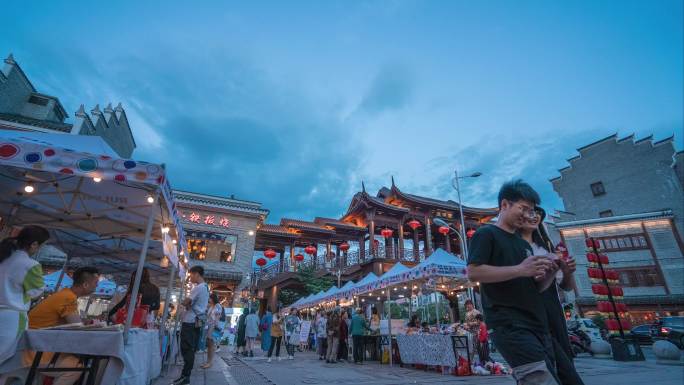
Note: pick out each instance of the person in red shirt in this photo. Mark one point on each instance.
(483, 341)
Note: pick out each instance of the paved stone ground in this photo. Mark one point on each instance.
(307, 369)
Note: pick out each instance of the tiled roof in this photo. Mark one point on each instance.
(448, 204)
(337, 222)
(275, 229)
(219, 202)
(305, 225)
(219, 270)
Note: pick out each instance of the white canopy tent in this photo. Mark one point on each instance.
(96, 206)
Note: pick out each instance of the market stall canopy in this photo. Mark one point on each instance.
(342, 293)
(398, 273)
(439, 264)
(95, 205)
(52, 279)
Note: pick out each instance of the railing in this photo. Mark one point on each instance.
(320, 262)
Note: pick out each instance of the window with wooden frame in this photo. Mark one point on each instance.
(642, 276)
(623, 242)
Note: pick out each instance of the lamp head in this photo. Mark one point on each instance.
(476, 174)
(440, 222)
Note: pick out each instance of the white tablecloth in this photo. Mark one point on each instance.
(134, 364)
(142, 358)
(426, 349)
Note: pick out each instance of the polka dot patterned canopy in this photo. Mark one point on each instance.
(96, 192)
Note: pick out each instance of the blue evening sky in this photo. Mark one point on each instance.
(293, 104)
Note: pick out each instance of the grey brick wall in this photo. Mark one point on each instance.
(638, 177)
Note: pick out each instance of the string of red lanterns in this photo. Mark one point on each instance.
(270, 253)
(444, 230)
(261, 262)
(344, 246)
(299, 257)
(310, 250)
(386, 233)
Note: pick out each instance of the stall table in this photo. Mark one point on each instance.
(138, 362)
(432, 349)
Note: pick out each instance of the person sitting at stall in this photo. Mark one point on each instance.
(414, 325)
(148, 291)
(59, 309)
(483, 341)
(21, 279)
(425, 328)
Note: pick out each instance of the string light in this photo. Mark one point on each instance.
(97, 179)
(150, 199)
(165, 229)
(29, 188)
(174, 241)
(251, 233)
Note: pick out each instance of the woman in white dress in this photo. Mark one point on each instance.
(21, 279)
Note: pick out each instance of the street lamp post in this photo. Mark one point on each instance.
(462, 234)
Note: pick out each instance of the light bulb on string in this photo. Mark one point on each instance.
(29, 188)
(97, 179)
(150, 199)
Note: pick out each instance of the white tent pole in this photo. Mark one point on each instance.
(133, 299)
(178, 315)
(61, 275)
(389, 324)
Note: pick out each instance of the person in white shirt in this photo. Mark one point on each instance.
(21, 279)
(194, 317)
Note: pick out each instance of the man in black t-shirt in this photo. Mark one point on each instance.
(504, 265)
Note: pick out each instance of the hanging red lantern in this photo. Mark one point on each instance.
(270, 253)
(470, 233)
(414, 224)
(310, 250)
(444, 230)
(299, 257)
(261, 262)
(344, 246)
(386, 233)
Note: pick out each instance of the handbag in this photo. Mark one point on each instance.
(139, 313)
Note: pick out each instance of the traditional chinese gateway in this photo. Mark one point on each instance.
(376, 232)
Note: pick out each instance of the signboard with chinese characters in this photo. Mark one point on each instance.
(206, 219)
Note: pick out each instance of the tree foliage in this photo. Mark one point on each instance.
(312, 283)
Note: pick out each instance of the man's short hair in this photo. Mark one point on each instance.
(469, 302)
(83, 274)
(197, 269)
(517, 190)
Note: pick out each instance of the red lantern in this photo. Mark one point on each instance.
(414, 224)
(612, 324)
(443, 230)
(344, 246)
(270, 253)
(603, 258)
(386, 233)
(591, 257)
(599, 289)
(261, 262)
(470, 233)
(310, 250)
(299, 257)
(617, 292)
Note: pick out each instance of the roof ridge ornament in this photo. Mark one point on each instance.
(363, 187)
(10, 59)
(393, 185)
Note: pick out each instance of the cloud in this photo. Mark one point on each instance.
(391, 89)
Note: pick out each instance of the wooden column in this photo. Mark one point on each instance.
(362, 248)
(281, 262)
(401, 239)
(416, 246)
(447, 242)
(293, 263)
(428, 237)
(338, 260)
(328, 251)
(371, 238)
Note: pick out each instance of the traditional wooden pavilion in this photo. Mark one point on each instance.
(376, 232)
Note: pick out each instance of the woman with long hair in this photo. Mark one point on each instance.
(21, 279)
(215, 315)
(148, 291)
(534, 232)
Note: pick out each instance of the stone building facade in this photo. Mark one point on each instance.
(220, 232)
(23, 108)
(628, 194)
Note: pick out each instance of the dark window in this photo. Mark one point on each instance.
(625, 242)
(597, 189)
(640, 277)
(606, 213)
(33, 99)
(58, 114)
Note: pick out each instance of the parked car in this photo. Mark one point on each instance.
(642, 333)
(669, 328)
(587, 326)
